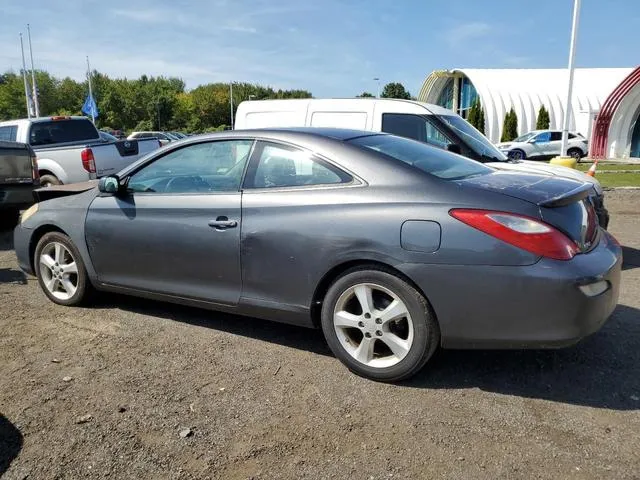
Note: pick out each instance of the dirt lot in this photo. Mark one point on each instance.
(265, 401)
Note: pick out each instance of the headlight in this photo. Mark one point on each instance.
(28, 212)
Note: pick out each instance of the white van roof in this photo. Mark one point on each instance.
(391, 104)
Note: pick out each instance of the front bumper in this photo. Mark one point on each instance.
(22, 247)
(535, 306)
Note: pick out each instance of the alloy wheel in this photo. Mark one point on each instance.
(373, 325)
(58, 270)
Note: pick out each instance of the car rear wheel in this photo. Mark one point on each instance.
(379, 325)
(60, 270)
(575, 153)
(517, 155)
(49, 181)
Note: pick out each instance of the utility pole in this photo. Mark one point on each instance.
(93, 112)
(231, 102)
(572, 55)
(36, 101)
(24, 77)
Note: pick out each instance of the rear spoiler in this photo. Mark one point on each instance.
(569, 197)
(56, 191)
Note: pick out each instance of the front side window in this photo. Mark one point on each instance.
(201, 168)
(543, 137)
(9, 133)
(472, 137)
(433, 161)
(284, 166)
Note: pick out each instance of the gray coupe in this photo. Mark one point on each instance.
(391, 246)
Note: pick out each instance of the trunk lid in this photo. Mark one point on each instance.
(563, 203)
(15, 163)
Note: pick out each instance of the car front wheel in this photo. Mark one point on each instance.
(517, 155)
(379, 325)
(60, 270)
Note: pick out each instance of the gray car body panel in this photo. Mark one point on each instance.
(290, 239)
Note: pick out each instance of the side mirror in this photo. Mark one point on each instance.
(110, 184)
(454, 148)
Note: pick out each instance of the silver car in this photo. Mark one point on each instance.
(544, 145)
(392, 247)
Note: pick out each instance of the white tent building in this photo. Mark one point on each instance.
(525, 90)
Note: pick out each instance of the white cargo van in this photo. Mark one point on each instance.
(420, 121)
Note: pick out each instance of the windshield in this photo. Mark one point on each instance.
(525, 137)
(432, 160)
(474, 139)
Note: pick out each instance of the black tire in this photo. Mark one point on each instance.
(49, 180)
(426, 332)
(575, 153)
(84, 289)
(517, 154)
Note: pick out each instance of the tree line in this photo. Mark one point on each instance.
(147, 103)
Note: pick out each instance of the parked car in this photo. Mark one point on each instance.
(389, 245)
(18, 178)
(424, 122)
(164, 137)
(70, 149)
(543, 145)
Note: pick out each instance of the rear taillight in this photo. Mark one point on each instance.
(520, 231)
(88, 162)
(35, 175)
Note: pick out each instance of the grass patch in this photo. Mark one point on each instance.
(619, 179)
(583, 167)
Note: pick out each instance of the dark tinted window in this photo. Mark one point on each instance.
(431, 160)
(284, 166)
(62, 131)
(9, 133)
(571, 135)
(414, 127)
(556, 136)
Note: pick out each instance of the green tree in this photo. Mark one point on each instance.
(395, 90)
(476, 115)
(509, 126)
(12, 100)
(543, 121)
(365, 95)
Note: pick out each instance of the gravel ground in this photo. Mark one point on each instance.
(139, 389)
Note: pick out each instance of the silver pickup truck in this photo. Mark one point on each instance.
(70, 149)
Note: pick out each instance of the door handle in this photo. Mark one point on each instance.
(222, 223)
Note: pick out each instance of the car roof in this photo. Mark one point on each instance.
(328, 132)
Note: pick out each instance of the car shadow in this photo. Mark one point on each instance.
(10, 443)
(282, 334)
(630, 258)
(600, 371)
(9, 275)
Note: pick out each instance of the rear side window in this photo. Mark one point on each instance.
(62, 131)
(9, 133)
(434, 161)
(556, 136)
(283, 166)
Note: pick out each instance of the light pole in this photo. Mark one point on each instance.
(572, 55)
(231, 102)
(376, 79)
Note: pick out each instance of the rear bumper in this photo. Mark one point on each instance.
(16, 197)
(536, 306)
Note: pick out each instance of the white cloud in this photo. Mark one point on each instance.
(462, 34)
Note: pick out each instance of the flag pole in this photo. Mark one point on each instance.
(571, 68)
(24, 77)
(231, 102)
(36, 101)
(93, 113)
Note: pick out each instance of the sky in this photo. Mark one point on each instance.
(333, 48)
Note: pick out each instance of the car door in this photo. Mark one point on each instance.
(539, 145)
(176, 228)
(554, 147)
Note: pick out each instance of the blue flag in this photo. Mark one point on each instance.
(90, 108)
